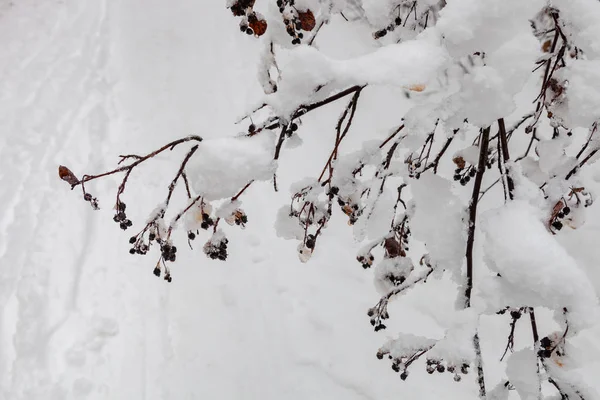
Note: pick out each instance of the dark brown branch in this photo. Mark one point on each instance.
(505, 157)
(307, 108)
(483, 150)
(349, 112)
(139, 159)
(237, 196)
(179, 173)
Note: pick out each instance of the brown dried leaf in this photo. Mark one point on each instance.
(66, 175)
(259, 26)
(392, 248)
(546, 46)
(417, 87)
(459, 161)
(239, 7)
(307, 20)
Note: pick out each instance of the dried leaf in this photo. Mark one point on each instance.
(459, 161)
(392, 248)
(259, 26)
(307, 20)
(66, 175)
(417, 88)
(546, 46)
(239, 7)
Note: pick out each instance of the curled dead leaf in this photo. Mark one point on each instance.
(546, 46)
(307, 20)
(459, 161)
(259, 26)
(417, 88)
(67, 175)
(240, 6)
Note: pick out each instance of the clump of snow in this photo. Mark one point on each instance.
(582, 105)
(437, 221)
(305, 68)
(582, 18)
(227, 208)
(471, 26)
(535, 269)
(521, 371)
(287, 227)
(456, 347)
(405, 344)
(221, 167)
(391, 272)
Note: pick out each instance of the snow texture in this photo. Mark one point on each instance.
(221, 167)
(535, 269)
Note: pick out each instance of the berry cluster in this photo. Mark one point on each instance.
(309, 211)
(238, 217)
(205, 220)
(120, 217)
(252, 23)
(92, 200)
(168, 251)
(557, 218)
(157, 271)
(438, 365)
(216, 247)
(296, 20)
(351, 209)
(376, 318)
(139, 246)
(365, 260)
(464, 175)
(390, 28)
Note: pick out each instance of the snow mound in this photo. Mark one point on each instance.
(538, 271)
(221, 167)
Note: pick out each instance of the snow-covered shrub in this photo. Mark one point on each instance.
(504, 101)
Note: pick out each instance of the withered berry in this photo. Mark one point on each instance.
(557, 225)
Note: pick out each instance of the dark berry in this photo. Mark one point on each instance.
(557, 225)
(380, 34)
(243, 28)
(132, 239)
(515, 314)
(132, 251)
(463, 181)
(294, 127)
(404, 375)
(472, 172)
(560, 215)
(546, 342)
(440, 368)
(87, 197)
(156, 271)
(566, 210)
(204, 225)
(252, 128)
(123, 225)
(152, 236)
(191, 235)
(249, 31)
(398, 21)
(456, 177)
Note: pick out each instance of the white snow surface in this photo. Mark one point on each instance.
(220, 167)
(535, 269)
(80, 318)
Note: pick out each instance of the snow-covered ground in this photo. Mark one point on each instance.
(84, 81)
